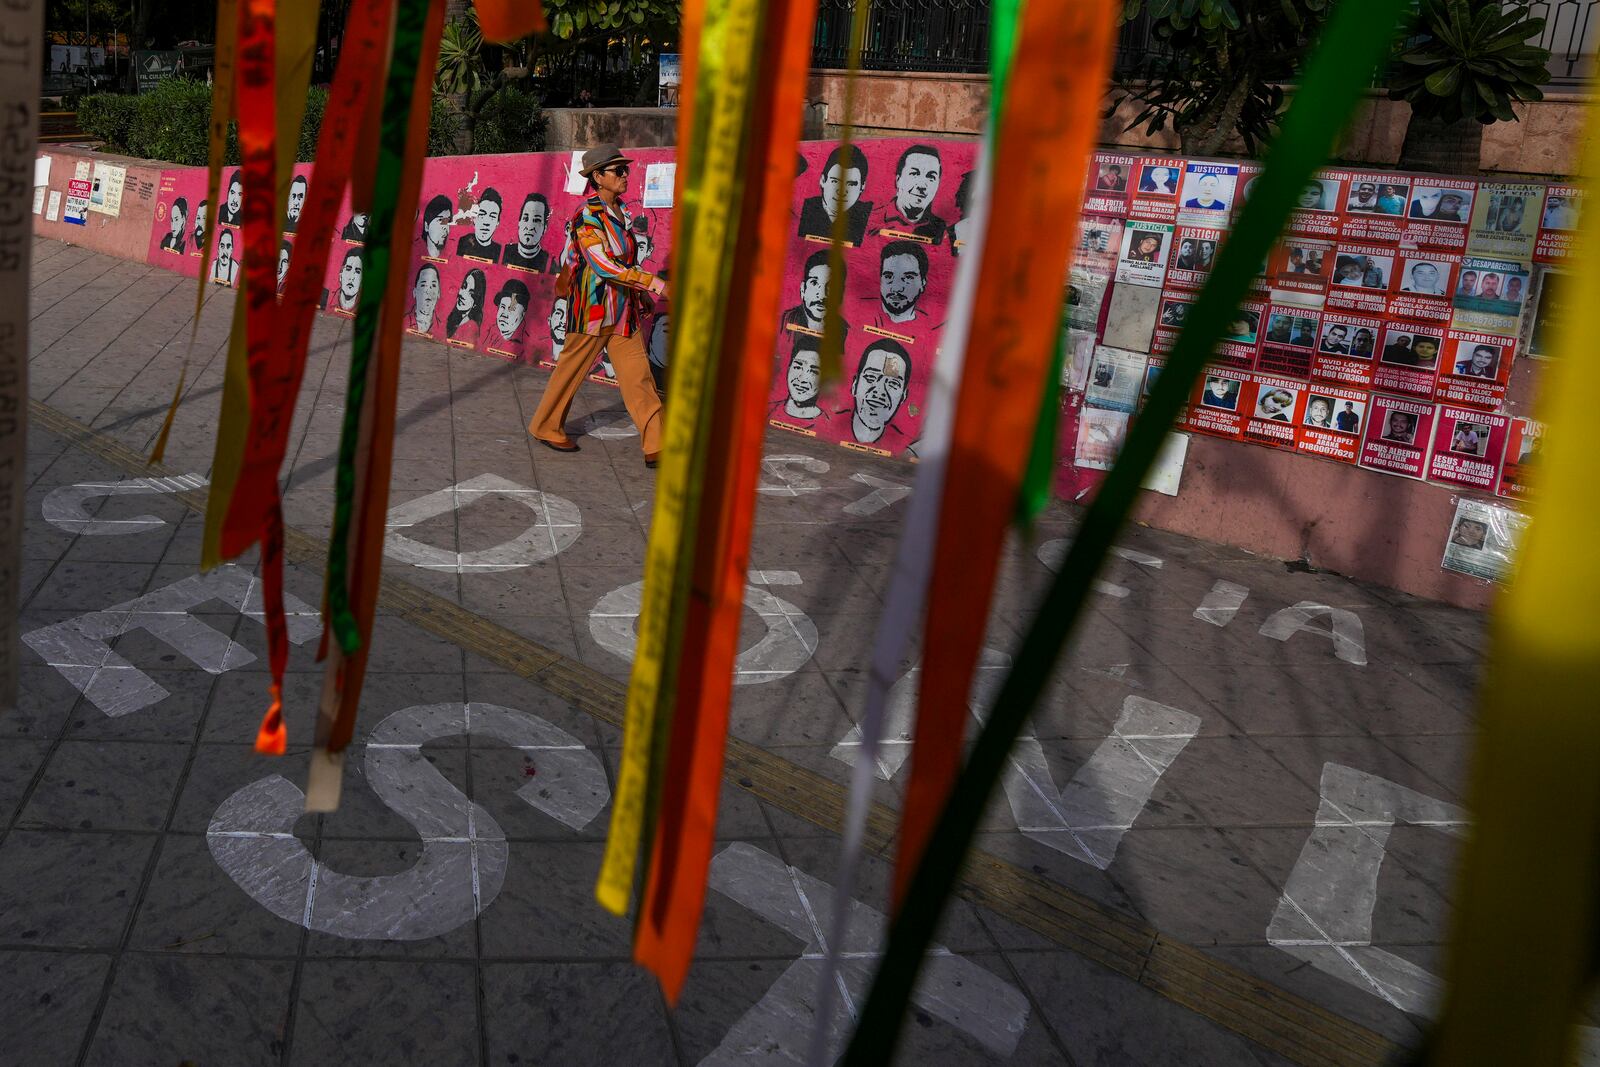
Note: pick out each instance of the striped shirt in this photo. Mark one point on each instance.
(601, 253)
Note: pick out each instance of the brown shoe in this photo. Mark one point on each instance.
(650, 461)
(559, 446)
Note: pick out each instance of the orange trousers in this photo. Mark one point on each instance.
(639, 394)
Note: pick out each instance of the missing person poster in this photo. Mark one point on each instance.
(1475, 369)
(1549, 309)
(1523, 440)
(1438, 213)
(1490, 294)
(1086, 296)
(1276, 406)
(1505, 220)
(1155, 189)
(1375, 206)
(1558, 226)
(1115, 379)
(1332, 422)
(1169, 323)
(1101, 434)
(1468, 447)
(1241, 337)
(1301, 264)
(1362, 278)
(1397, 436)
(1206, 197)
(1099, 241)
(1427, 280)
(1193, 255)
(105, 194)
(1483, 540)
(1110, 174)
(1217, 405)
(1289, 342)
(1316, 208)
(1347, 348)
(1408, 361)
(1145, 246)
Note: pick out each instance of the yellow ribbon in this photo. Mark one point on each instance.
(708, 197)
(1527, 920)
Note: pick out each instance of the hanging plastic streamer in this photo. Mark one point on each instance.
(669, 911)
(366, 446)
(1357, 37)
(255, 511)
(718, 73)
(908, 583)
(1051, 118)
(223, 52)
(1525, 946)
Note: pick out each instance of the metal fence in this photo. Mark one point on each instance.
(1569, 33)
(923, 35)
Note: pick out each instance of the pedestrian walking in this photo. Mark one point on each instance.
(608, 297)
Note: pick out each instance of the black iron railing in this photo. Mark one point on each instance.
(951, 36)
(1570, 33)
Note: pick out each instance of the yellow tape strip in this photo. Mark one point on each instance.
(709, 198)
(297, 40)
(1527, 919)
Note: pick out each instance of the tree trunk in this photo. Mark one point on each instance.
(1206, 137)
(1442, 147)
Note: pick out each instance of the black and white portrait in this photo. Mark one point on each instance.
(878, 389)
(480, 243)
(528, 253)
(841, 171)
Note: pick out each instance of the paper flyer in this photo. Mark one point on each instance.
(1398, 434)
(1347, 349)
(1558, 224)
(1408, 359)
(1427, 282)
(77, 211)
(1375, 206)
(1101, 434)
(1490, 294)
(1115, 379)
(1218, 405)
(1302, 264)
(1483, 540)
(1109, 176)
(1169, 322)
(39, 192)
(41, 170)
(1242, 337)
(1362, 277)
(1145, 246)
(1289, 342)
(52, 210)
(1194, 252)
(1505, 220)
(1276, 406)
(1475, 369)
(1523, 440)
(1316, 212)
(1155, 189)
(1438, 213)
(1332, 423)
(658, 184)
(1206, 196)
(1086, 296)
(1468, 447)
(105, 195)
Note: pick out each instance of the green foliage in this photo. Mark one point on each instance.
(1218, 67)
(172, 123)
(572, 19)
(512, 121)
(110, 117)
(461, 64)
(1471, 60)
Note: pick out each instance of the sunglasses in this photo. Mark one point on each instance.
(619, 169)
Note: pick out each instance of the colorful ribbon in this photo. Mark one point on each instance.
(1525, 948)
(223, 53)
(669, 914)
(830, 358)
(1062, 58)
(1356, 39)
(718, 72)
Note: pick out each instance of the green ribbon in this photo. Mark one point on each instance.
(396, 121)
(1355, 41)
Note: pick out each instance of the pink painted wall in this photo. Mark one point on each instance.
(128, 234)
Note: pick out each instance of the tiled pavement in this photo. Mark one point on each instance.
(128, 935)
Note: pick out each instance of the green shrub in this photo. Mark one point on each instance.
(512, 121)
(110, 117)
(172, 123)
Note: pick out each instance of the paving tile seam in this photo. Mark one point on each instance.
(1122, 942)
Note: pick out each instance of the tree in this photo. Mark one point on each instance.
(1469, 61)
(473, 71)
(1218, 68)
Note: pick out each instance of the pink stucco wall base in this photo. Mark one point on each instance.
(128, 234)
